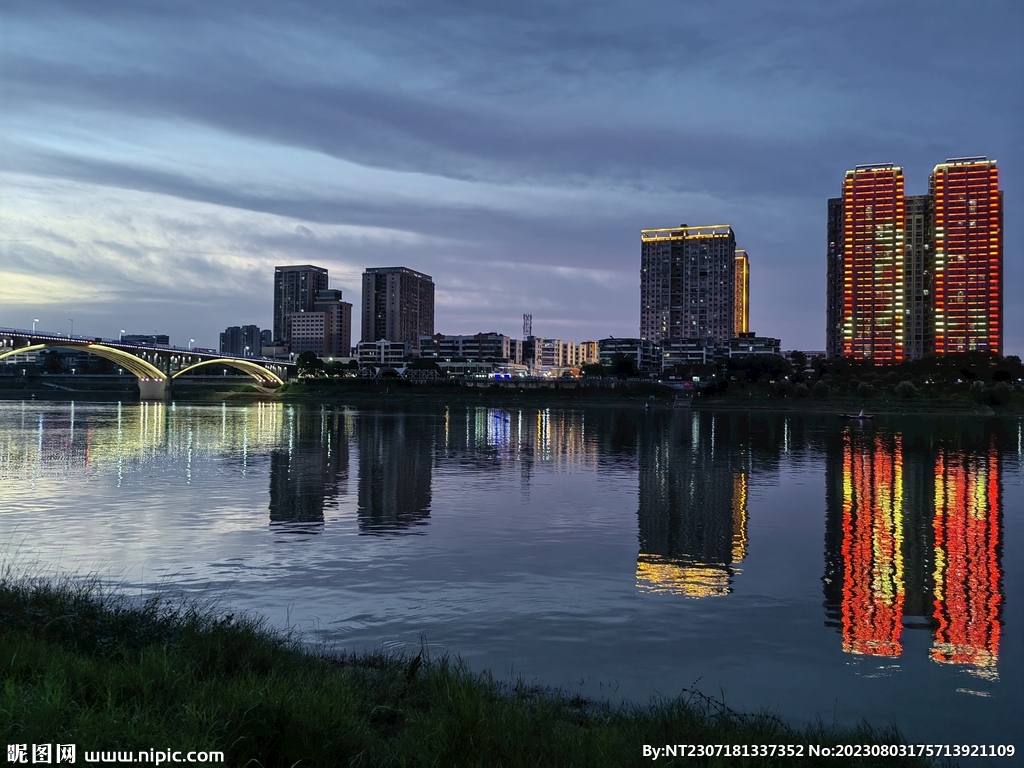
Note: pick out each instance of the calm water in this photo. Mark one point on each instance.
(789, 562)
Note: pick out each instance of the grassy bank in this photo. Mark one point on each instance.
(86, 667)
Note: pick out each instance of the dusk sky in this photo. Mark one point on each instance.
(157, 160)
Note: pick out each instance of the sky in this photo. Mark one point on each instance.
(158, 159)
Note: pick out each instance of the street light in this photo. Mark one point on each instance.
(246, 352)
(71, 320)
(34, 321)
(122, 336)
(190, 343)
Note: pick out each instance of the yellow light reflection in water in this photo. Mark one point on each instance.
(655, 573)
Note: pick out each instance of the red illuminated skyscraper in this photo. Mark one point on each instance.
(873, 262)
(968, 302)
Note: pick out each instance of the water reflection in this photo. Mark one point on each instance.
(395, 466)
(913, 515)
(912, 541)
(309, 469)
(694, 472)
(968, 599)
(868, 567)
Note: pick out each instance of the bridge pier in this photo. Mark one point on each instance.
(155, 389)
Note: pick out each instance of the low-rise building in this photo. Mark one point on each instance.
(383, 353)
(687, 352)
(752, 344)
(481, 346)
(644, 352)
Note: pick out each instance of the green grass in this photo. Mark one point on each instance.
(82, 665)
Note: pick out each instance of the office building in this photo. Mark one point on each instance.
(968, 234)
(687, 283)
(398, 305)
(741, 293)
(295, 290)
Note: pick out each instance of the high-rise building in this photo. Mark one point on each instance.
(295, 290)
(917, 271)
(968, 236)
(908, 276)
(398, 305)
(834, 277)
(242, 341)
(741, 294)
(873, 257)
(687, 283)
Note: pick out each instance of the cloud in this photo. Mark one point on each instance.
(44, 290)
(471, 141)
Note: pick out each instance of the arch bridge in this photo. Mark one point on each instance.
(155, 367)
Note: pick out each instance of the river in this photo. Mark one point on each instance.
(801, 564)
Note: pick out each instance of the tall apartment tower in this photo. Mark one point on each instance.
(968, 215)
(834, 277)
(741, 294)
(874, 222)
(687, 283)
(398, 305)
(295, 290)
(917, 277)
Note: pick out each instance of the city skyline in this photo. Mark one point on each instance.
(159, 161)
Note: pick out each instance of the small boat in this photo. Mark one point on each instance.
(860, 415)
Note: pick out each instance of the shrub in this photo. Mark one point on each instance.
(801, 390)
(821, 390)
(906, 390)
(864, 389)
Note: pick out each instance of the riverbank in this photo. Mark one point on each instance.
(641, 395)
(85, 666)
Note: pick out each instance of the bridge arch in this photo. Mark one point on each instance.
(264, 377)
(145, 371)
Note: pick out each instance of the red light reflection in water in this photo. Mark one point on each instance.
(967, 574)
(873, 588)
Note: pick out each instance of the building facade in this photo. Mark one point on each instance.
(687, 283)
(398, 305)
(741, 293)
(909, 276)
(492, 346)
(383, 353)
(327, 330)
(295, 290)
(644, 353)
(874, 221)
(242, 341)
(917, 270)
(968, 216)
